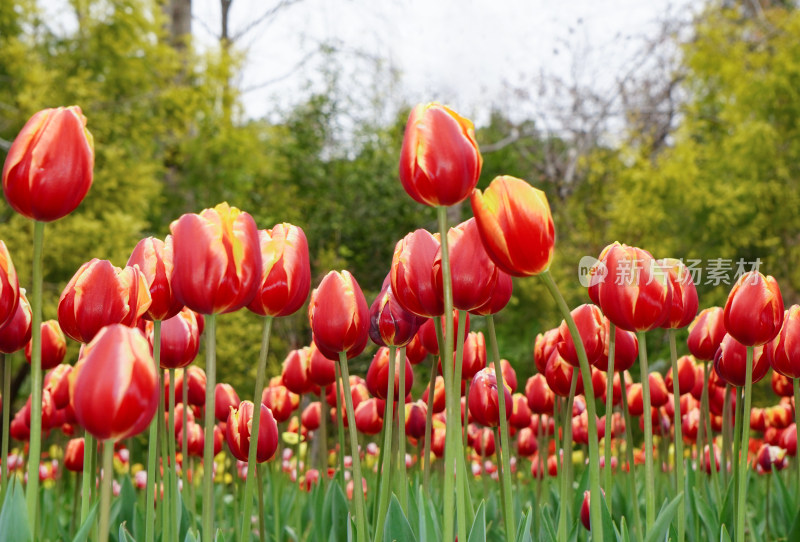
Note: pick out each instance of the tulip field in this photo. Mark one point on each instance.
(138, 440)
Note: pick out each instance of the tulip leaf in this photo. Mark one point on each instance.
(14, 516)
(190, 537)
(624, 535)
(723, 535)
(609, 530)
(337, 513)
(548, 526)
(664, 519)
(707, 516)
(524, 530)
(786, 500)
(124, 535)
(83, 533)
(794, 532)
(396, 527)
(477, 532)
(726, 511)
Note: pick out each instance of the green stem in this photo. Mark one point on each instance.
(588, 393)
(452, 439)
(676, 397)
(386, 473)
(35, 446)
(462, 519)
(152, 444)
(87, 480)
(262, 528)
(401, 433)
(726, 435)
(742, 490)
(208, 446)
(340, 421)
(173, 458)
(6, 417)
(185, 442)
(274, 471)
(105, 489)
(324, 415)
(247, 504)
(612, 338)
(564, 470)
(649, 471)
(737, 432)
(637, 516)
(166, 509)
(358, 490)
(426, 475)
(796, 388)
(505, 464)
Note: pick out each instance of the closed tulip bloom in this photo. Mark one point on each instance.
(389, 323)
(686, 375)
(783, 386)
(225, 397)
(473, 273)
(217, 259)
(48, 169)
(16, 333)
(100, 294)
(416, 351)
(706, 333)
(310, 417)
(501, 295)
(509, 374)
(520, 412)
(515, 225)
(635, 399)
(474, 355)
(411, 274)
(439, 397)
(659, 395)
(56, 382)
(636, 294)
(280, 402)
(416, 413)
(541, 398)
(180, 340)
(439, 162)
(296, 375)
(788, 440)
(591, 328)
(769, 458)
(626, 349)
(195, 438)
(196, 383)
(730, 362)
(54, 345)
(779, 416)
(754, 310)
(427, 333)
(368, 416)
(114, 386)
(483, 399)
(378, 374)
(683, 307)
(483, 442)
(154, 258)
(559, 375)
(73, 455)
(786, 346)
(322, 370)
(339, 315)
(526, 442)
(285, 273)
(237, 432)
(358, 392)
(9, 286)
(543, 346)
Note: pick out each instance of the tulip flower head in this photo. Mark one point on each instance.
(296, 375)
(730, 362)
(483, 398)
(154, 258)
(48, 169)
(706, 333)
(591, 328)
(180, 339)
(378, 374)
(411, 274)
(16, 332)
(786, 346)
(9, 286)
(339, 315)
(683, 307)
(389, 323)
(54, 345)
(237, 432)
(754, 310)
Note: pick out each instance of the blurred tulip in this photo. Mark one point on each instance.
(195, 439)
(515, 225)
(286, 272)
(782, 386)
(778, 416)
(57, 382)
(114, 386)
(543, 346)
(690, 423)
(427, 333)
(339, 315)
(54, 345)
(483, 398)
(439, 162)
(526, 442)
(322, 370)
(788, 440)
(280, 401)
(48, 169)
(684, 302)
(786, 346)
(509, 375)
(415, 351)
(541, 398)
(635, 399)
(706, 333)
(225, 397)
(154, 258)
(389, 323)
(730, 361)
(9, 287)
(378, 374)
(416, 413)
(770, 458)
(238, 432)
(310, 417)
(585, 517)
(686, 375)
(73, 455)
(411, 274)
(180, 340)
(439, 401)
(559, 375)
(369, 417)
(474, 355)
(196, 384)
(217, 259)
(100, 294)
(483, 443)
(659, 395)
(591, 328)
(296, 375)
(16, 332)
(626, 348)
(520, 412)
(754, 310)
(500, 296)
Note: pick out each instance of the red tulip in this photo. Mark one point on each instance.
(483, 442)
(786, 346)
(439, 401)
(474, 355)
(754, 310)
(636, 294)
(378, 374)
(217, 259)
(730, 362)
(73, 455)
(54, 345)
(9, 287)
(416, 413)
(48, 169)
(559, 375)
(635, 399)
(180, 339)
(286, 271)
(114, 386)
(788, 440)
(542, 348)
(154, 258)
(369, 417)
(310, 417)
(526, 442)
(684, 294)
(707, 459)
(515, 225)
(782, 386)
(322, 370)
(100, 294)
(541, 398)
(626, 349)
(339, 315)
(520, 412)
(690, 423)
(280, 401)
(296, 375)
(16, 332)
(415, 351)
(225, 398)
(779, 416)
(389, 323)
(427, 333)
(473, 273)
(483, 398)
(770, 458)
(358, 392)
(706, 333)
(195, 438)
(439, 161)
(509, 374)
(411, 274)
(57, 383)
(591, 328)
(237, 432)
(196, 383)
(686, 375)
(659, 395)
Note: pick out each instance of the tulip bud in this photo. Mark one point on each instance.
(339, 315)
(180, 339)
(474, 355)
(520, 412)
(225, 398)
(368, 416)
(16, 332)
(416, 413)
(48, 169)
(706, 333)
(526, 442)
(310, 418)
(754, 310)
(378, 374)
(730, 362)
(591, 329)
(296, 375)
(54, 345)
(541, 398)
(154, 258)
(238, 432)
(73, 455)
(389, 323)
(543, 346)
(483, 399)
(683, 307)
(411, 274)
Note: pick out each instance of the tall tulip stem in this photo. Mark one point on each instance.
(208, 445)
(247, 503)
(105, 489)
(35, 448)
(727, 412)
(564, 467)
(152, 445)
(796, 389)
(743, 449)
(426, 476)
(505, 465)
(339, 386)
(649, 471)
(173, 456)
(187, 487)
(637, 516)
(594, 460)
(463, 503)
(87, 479)
(676, 397)
(612, 337)
(358, 491)
(6, 418)
(386, 455)
(401, 432)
